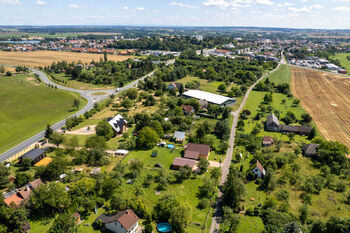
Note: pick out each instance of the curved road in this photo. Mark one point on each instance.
(216, 218)
(87, 94)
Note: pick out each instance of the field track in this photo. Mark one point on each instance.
(326, 97)
(44, 58)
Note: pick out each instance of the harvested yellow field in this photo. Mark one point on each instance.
(326, 97)
(44, 58)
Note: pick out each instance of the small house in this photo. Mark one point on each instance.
(34, 155)
(123, 222)
(268, 141)
(118, 124)
(179, 136)
(272, 123)
(310, 150)
(181, 162)
(187, 109)
(259, 170)
(203, 103)
(174, 86)
(196, 151)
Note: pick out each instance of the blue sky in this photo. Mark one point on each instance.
(333, 14)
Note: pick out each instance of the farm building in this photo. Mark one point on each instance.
(122, 222)
(259, 170)
(272, 124)
(310, 150)
(196, 151)
(181, 162)
(211, 98)
(118, 124)
(34, 155)
(187, 109)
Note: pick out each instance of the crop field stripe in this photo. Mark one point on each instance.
(327, 99)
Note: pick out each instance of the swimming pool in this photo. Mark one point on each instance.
(164, 227)
(170, 146)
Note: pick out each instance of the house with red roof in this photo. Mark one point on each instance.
(259, 170)
(123, 222)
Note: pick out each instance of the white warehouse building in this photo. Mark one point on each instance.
(220, 100)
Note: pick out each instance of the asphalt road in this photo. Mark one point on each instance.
(216, 218)
(87, 94)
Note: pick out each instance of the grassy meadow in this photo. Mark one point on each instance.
(28, 106)
(343, 60)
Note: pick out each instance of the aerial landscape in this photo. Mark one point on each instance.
(203, 116)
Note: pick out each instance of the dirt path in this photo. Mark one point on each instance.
(215, 224)
(87, 130)
(326, 98)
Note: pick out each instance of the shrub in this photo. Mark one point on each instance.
(202, 204)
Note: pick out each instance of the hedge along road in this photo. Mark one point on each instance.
(87, 94)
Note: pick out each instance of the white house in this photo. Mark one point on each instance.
(123, 222)
(118, 124)
(259, 170)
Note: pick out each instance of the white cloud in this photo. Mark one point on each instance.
(76, 6)
(305, 9)
(228, 3)
(40, 3)
(10, 2)
(180, 4)
(288, 4)
(265, 2)
(125, 8)
(140, 9)
(342, 8)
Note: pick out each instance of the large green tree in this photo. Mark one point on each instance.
(147, 138)
(64, 223)
(104, 129)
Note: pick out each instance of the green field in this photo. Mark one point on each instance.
(343, 60)
(282, 75)
(27, 107)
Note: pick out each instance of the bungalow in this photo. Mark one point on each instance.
(118, 124)
(196, 151)
(259, 170)
(181, 162)
(174, 86)
(187, 109)
(179, 136)
(123, 222)
(268, 141)
(34, 155)
(310, 150)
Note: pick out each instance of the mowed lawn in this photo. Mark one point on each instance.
(282, 75)
(343, 60)
(27, 107)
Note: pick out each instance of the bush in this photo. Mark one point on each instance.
(202, 204)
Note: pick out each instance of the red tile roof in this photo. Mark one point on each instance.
(200, 148)
(13, 199)
(260, 167)
(36, 183)
(191, 155)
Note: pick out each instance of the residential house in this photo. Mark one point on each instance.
(179, 136)
(123, 222)
(310, 150)
(174, 86)
(272, 124)
(187, 109)
(268, 141)
(181, 162)
(203, 103)
(259, 170)
(118, 124)
(17, 197)
(35, 155)
(196, 151)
